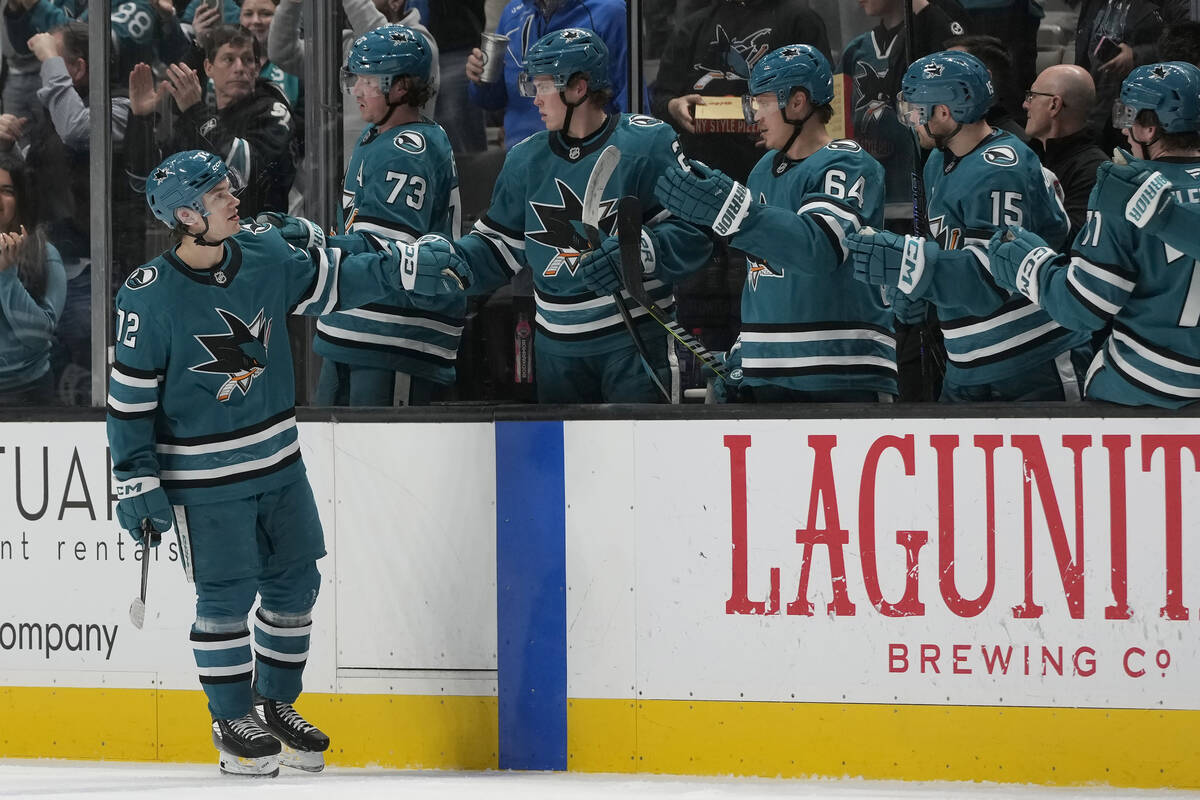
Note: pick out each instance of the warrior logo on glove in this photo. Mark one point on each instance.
(559, 233)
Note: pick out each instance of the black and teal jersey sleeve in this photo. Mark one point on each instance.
(495, 246)
(141, 351)
(805, 214)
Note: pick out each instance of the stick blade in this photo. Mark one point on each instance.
(137, 612)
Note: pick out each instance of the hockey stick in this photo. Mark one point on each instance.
(629, 234)
(137, 609)
(593, 197)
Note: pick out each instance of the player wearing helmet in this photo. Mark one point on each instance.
(202, 430)
(999, 345)
(1135, 267)
(400, 184)
(810, 332)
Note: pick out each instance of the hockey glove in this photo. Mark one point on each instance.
(727, 388)
(705, 196)
(431, 267)
(296, 231)
(1016, 257)
(905, 309)
(884, 258)
(143, 499)
(600, 269)
(1142, 197)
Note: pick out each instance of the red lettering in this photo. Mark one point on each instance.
(1133, 673)
(960, 657)
(1048, 660)
(997, 657)
(1070, 570)
(929, 655)
(1088, 668)
(910, 604)
(1172, 446)
(832, 536)
(897, 658)
(1117, 518)
(945, 446)
(739, 601)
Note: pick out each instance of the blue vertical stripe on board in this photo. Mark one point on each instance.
(531, 604)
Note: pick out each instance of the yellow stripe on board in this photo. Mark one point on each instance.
(399, 731)
(1120, 747)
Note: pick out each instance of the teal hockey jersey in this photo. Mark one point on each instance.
(202, 393)
(1148, 290)
(538, 195)
(990, 333)
(400, 185)
(807, 324)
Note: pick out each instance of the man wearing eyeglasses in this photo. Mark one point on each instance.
(1058, 105)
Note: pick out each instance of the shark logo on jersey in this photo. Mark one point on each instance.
(559, 233)
(871, 86)
(1001, 155)
(756, 270)
(410, 142)
(240, 354)
(141, 277)
(734, 58)
(947, 238)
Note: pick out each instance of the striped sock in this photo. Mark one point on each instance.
(226, 667)
(281, 649)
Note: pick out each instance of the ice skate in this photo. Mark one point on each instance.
(303, 744)
(245, 748)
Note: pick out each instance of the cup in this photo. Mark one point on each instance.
(494, 47)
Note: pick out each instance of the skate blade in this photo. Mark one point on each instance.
(307, 760)
(264, 767)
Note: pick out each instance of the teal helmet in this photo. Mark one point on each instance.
(790, 67)
(181, 181)
(564, 53)
(959, 81)
(1171, 90)
(388, 51)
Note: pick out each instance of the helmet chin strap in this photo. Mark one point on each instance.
(1145, 156)
(562, 95)
(941, 141)
(797, 125)
(199, 237)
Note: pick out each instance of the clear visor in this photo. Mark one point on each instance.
(1123, 115)
(538, 84)
(754, 104)
(368, 85)
(913, 115)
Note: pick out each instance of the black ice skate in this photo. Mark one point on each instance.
(303, 745)
(245, 748)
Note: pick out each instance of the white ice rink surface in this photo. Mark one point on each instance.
(42, 779)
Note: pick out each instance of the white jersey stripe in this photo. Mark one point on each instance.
(817, 361)
(819, 336)
(991, 323)
(229, 444)
(1103, 274)
(224, 644)
(400, 319)
(131, 408)
(1153, 357)
(232, 469)
(449, 353)
(1000, 347)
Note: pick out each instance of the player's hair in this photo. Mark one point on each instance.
(823, 113)
(75, 39)
(31, 259)
(418, 91)
(1180, 42)
(601, 97)
(994, 55)
(1184, 140)
(234, 35)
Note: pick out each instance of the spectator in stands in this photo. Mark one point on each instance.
(1057, 107)
(456, 25)
(995, 56)
(1180, 42)
(1014, 23)
(1111, 38)
(59, 154)
(526, 21)
(256, 17)
(710, 54)
(33, 288)
(875, 63)
(248, 121)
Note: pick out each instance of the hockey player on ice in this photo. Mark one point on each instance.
(202, 430)
(810, 332)
(583, 353)
(1136, 263)
(400, 184)
(999, 345)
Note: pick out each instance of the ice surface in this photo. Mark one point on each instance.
(45, 779)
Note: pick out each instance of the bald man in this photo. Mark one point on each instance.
(1058, 104)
